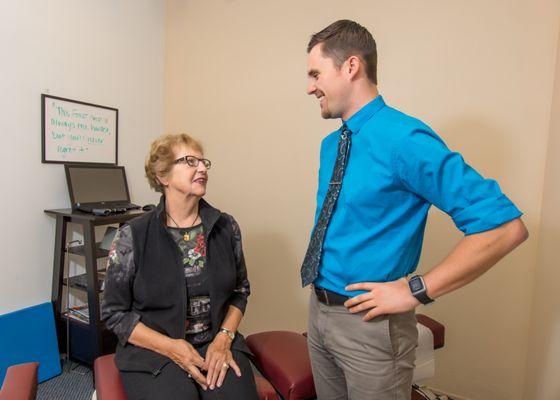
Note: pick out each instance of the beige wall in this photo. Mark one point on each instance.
(480, 73)
(103, 52)
(544, 341)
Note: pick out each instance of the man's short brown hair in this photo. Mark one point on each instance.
(345, 38)
(161, 158)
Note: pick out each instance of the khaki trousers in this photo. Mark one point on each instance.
(357, 360)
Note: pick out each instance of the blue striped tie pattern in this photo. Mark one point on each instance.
(310, 267)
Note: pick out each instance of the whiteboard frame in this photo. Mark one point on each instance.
(44, 160)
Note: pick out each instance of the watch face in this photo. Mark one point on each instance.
(416, 285)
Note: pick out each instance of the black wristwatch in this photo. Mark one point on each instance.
(418, 289)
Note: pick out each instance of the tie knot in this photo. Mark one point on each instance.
(345, 131)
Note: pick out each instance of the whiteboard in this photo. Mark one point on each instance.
(78, 132)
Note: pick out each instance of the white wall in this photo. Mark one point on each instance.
(105, 52)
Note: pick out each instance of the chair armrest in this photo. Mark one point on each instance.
(20, 382)
(282, 357)
(438, 330)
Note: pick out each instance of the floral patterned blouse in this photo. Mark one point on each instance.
(193, 248)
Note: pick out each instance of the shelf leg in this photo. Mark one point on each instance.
(58, 265)
(92, 288)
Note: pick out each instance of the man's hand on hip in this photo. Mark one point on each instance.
(382, 298)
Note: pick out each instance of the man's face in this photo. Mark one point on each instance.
(327, 83)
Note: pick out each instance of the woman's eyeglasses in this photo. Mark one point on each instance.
(193, 161)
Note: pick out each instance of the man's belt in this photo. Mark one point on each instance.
(329, 298)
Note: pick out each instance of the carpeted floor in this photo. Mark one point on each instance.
(76, 384)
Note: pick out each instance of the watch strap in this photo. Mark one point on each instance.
(421, 294)
(423, 297)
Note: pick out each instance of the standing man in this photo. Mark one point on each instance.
(379, 174)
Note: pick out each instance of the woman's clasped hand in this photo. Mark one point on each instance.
(208, 372)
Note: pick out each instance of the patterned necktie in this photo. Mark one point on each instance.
(310, 267)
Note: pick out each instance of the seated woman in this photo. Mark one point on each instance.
(176, 288)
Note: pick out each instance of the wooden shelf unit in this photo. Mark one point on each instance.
(87, 340)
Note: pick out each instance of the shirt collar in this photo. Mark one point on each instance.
(356, 121)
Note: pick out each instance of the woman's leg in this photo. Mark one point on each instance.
(171, 383)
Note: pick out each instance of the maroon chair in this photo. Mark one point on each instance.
(108, 384)
(20, 382)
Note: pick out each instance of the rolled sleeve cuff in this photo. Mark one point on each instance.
(124, 328)
(486, 215)
(239, 301)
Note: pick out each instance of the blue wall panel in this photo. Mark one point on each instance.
(29, 335)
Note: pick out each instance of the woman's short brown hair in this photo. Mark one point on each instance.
(161, 158)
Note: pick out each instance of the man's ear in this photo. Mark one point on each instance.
(353, 66)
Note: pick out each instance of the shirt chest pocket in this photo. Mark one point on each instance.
(366, 190)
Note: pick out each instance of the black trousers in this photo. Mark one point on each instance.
(173, 383)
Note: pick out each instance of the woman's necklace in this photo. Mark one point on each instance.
(186, 236)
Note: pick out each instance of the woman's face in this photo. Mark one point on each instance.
(184, 179)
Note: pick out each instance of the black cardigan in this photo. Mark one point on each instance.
(156, 294)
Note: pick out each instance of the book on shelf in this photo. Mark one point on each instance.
(80, 313)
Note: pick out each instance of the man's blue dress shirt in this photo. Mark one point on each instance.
(397, 168)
